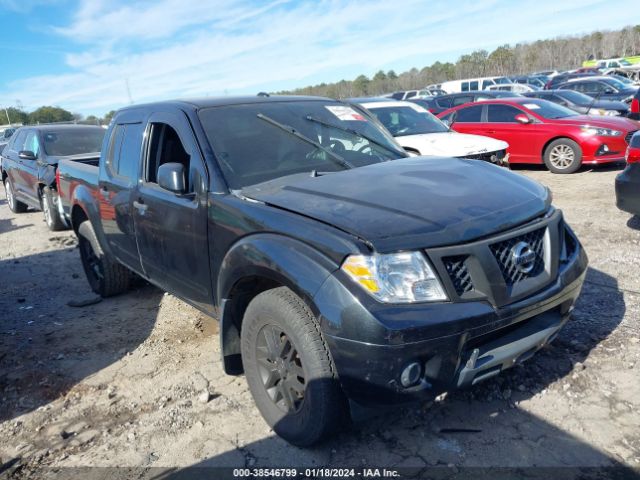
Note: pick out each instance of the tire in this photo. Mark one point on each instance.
(51, 214)
(16, 206)
(304, 403)
(563, 156)
(106, 276)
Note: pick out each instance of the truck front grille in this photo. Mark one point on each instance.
(503, 252)
(459, 273)
(492, 157)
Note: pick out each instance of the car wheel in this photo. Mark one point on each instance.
(563, 156)
(51, 215)
(289, 369)
(106, 276)
(16, 206)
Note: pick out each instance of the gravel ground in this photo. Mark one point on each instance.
(136, 380)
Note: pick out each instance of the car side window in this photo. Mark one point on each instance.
(461, 100)
(18, 140)
(502, 114)
(165, 146)
(469, 114)
(130, 151)
(31, 143)
(444, 102)
(473, 85)
(465, 86)
(112, 158)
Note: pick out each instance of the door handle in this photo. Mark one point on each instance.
(140, 206)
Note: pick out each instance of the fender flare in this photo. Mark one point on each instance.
(272, 259)
(83, 198)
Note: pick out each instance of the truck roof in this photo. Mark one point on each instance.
(205, 102)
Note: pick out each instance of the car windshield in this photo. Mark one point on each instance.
(72, 141)
(547, 109)
(408, 120)
(259, 142)
(615, 83)
(575, 97)
(624, 62)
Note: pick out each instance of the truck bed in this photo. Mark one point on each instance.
(73, 173)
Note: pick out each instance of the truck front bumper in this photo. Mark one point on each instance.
(456, 345)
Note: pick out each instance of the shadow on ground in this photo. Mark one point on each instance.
(46, 346)
(478, 433)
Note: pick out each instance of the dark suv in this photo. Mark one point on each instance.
(441, 103)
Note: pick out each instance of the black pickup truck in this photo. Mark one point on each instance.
(342, 273)
(29, 161)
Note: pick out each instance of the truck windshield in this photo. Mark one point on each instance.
(259, 142)
(72, 141)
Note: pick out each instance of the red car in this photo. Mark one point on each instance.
(539, 131)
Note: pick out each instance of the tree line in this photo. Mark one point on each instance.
(48, 114)
(562, 53)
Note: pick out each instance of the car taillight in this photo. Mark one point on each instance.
(633, 155)
(635, 106)
(58, 183)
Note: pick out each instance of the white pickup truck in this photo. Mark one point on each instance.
(420, 132)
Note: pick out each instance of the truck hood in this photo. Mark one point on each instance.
(411, 203)
(451, 144)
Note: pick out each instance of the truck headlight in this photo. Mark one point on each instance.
(601, 132)
(612, 113)
(396, 278)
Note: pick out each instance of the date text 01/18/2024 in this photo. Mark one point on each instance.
(315, 473)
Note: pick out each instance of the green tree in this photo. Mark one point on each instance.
(15, 115)
(361, 85)
(392, 75)
(380, 76)
(108, 116)
(49, 115)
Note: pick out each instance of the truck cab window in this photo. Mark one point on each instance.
(165, 146)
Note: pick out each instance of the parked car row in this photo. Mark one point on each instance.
(344, 273)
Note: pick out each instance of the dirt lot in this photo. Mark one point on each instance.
(122, 382)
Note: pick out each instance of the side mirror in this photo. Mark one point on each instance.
(522, 118)
(171, 177)
(27, 155)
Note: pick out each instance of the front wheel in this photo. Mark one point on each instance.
(51, 215)
(563, 156)
(289, 369)
(16, 206)
(105, 275)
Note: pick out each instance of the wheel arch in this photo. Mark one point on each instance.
(553, 139)
(258, 263)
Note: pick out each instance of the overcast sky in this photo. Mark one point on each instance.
(91, 56)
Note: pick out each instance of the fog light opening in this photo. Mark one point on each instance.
(411, 375)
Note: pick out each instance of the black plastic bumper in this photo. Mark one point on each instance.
(488, 340)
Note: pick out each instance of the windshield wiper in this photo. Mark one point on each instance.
(292, 131)
(356, 133)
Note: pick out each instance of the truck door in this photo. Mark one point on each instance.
(172, 228)
(118, 177)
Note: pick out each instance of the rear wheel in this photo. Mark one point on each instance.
(16, 206)
(563, 156)
(106, 276)
(51, 215)
(289, 369)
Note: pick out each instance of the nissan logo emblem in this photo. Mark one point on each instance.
(523, 257)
